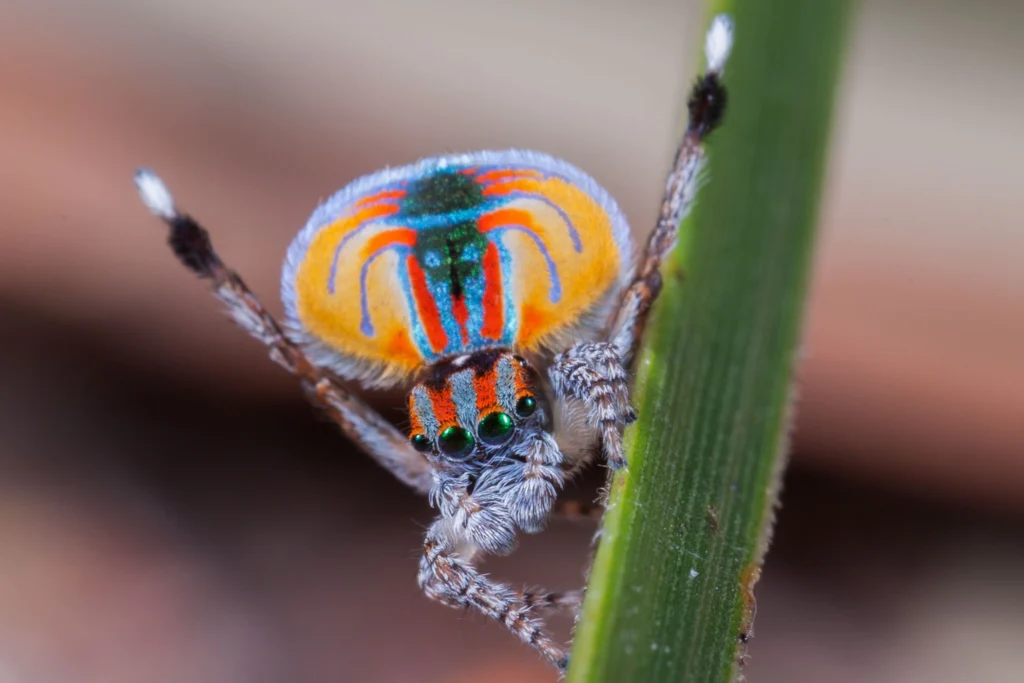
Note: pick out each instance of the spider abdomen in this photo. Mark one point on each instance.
(453, 255)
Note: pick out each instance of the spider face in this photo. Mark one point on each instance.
(475, 408)
(482, 421)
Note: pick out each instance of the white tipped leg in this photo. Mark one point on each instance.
(718, 43)
(191, 244)
(706, 108)
(154, 194)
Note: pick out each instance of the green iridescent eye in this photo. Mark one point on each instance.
(421, 443)
(495, 428)
(526, 406)
(456, 442)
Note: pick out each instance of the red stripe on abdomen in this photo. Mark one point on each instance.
(493, 304)
(426, 306)
(461, 314)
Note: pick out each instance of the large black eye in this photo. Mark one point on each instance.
(421, 443)
(526, 406)
(456, 442)
(495, 428)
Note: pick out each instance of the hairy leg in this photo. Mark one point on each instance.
(448, 578)
(375, 435)
(480, 514)
(593, 373)
(706, 107)
(591, 377)
(568, 601)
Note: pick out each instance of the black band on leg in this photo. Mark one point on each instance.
(191, 244)
(706, 104)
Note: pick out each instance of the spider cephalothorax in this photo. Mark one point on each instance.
(450, 273)
(484, 424)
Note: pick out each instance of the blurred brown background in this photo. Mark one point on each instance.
(170, 510)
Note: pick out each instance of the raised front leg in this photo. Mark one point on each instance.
(706, 107)
(375, 435)
(590, 377)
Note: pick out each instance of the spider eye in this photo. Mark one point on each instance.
(421, 443)
(526, 406)
(495, 428)
(456, 442)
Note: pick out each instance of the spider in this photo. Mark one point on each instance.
(499, 285)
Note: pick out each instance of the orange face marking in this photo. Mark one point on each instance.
(522, 386)
(444, 407)
(415, 426)
(487, 392)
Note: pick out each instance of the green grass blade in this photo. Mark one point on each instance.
(686, 529)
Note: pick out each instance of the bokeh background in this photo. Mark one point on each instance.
(171, 510)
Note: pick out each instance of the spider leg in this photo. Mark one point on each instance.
(564, 601)
(363, 425)
(706, 107)
(450, 579)
(591, 380)
(592, 375)
(480, 514)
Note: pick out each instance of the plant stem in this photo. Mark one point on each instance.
(670, 596)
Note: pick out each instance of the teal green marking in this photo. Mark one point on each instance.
(442, 193)
(444, 209)
(451, 252)
(448, 255)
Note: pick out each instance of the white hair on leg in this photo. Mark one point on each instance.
(718, 43)
(155, 194)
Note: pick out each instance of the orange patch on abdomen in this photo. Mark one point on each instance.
(389, 238)
(533, 319)
(513, 185)
(381, 196)
(401, 348)
(369, 213)
(504, 217)
(502, 174)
